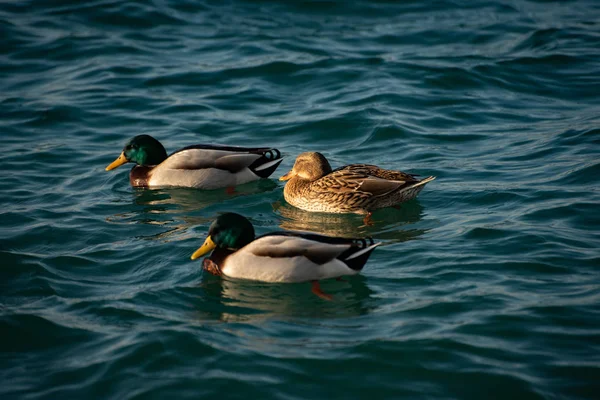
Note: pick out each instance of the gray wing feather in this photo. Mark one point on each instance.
(289, 246)
(236, 162)
(209, 158)
(379, 187)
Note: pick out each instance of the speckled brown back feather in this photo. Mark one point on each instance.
(356, 188)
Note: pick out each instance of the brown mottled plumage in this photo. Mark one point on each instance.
(356, 188)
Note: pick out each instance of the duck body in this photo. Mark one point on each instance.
(355, 188)
(294, 257)
(280, 256)
(198, 166)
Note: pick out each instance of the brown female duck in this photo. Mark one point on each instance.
(355, 188)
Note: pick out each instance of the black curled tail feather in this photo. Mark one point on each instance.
(267, 163)
(272, 154)
(356, 256)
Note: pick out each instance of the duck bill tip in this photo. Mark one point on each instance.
(117, 163)
(286, 177)
(206, 247)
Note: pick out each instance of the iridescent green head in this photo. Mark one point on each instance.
(142, 150)
(229, 231)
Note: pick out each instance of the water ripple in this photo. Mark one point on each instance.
(487, 281)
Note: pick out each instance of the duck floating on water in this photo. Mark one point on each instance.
(198, 166)
(280, 256)
(357, 188)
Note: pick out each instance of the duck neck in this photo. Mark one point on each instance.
(219, 255)
(296, 185)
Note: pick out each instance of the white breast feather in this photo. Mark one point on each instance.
(207, 178)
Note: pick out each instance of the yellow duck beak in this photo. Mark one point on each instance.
(205, 248)
(117, 163)
(287, 176)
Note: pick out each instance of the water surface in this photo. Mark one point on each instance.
(486, 286)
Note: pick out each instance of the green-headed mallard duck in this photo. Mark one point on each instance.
(279, 256)
(356, 188)
(198, 166)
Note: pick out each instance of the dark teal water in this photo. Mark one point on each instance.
(487, 286)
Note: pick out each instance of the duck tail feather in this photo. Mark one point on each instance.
(267, 164)
(356, 258)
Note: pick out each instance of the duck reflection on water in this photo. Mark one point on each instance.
(235, 300)
(177, 208)
(392, 225)
(177, 200)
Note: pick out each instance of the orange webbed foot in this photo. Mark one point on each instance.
(316, 289)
